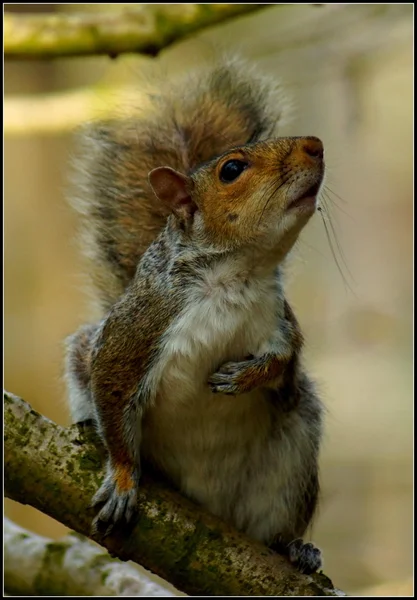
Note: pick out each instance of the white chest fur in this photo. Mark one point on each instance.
(206, 442)
(226, 317)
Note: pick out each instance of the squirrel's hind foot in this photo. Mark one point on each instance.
(306, 557)
(118, 498)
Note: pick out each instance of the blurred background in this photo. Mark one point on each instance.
(348, 69)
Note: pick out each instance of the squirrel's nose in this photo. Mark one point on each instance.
(313, 147)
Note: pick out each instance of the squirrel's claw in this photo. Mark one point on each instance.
(231, 378)
(306, 557)
(118, 506)
(221, 383)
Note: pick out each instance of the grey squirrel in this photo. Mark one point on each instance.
(188, 213)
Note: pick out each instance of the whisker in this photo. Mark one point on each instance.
(329, 194)
(334, 203)
(329, 239)
(339, 247)
(304, 243)
(334, 194)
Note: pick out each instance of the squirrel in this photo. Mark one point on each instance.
(189, 212)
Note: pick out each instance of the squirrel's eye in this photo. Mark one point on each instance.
(232, 169)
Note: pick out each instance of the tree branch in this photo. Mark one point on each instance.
(62, 111)
(72, 566)
(57, 471)
(144, 28)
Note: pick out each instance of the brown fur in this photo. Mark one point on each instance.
(272, 165)
(123, 478)
(123, 351)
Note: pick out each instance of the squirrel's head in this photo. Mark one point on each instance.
(258, 195)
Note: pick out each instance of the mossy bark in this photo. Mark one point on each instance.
(144, 28)
(57, 471)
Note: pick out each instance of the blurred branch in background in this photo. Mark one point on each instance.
(73, 566)
(329, 38)
(57, 471)
(144, 28)
(59, 112)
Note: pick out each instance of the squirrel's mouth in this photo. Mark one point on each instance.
(307, 199)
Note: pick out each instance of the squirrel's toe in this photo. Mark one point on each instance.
(117, 507)
(306, 557)
(223, 383)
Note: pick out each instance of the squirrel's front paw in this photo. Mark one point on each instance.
(118, 497)
(233, 378)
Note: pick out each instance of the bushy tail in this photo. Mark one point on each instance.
(188, 123)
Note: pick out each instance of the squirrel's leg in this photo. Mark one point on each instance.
(117, 425)
(77, 374)
(117, 368)
(305, 556)
(119, 418)
(303, 491)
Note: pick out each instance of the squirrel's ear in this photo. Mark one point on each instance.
(172, 188)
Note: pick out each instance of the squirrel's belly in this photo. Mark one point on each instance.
(225, 458)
